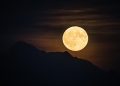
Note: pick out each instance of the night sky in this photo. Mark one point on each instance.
(42, 23)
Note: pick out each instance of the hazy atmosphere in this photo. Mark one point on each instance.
(42, 23)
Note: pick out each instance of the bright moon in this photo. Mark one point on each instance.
(75, 38)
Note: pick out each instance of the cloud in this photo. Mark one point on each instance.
(84, 17)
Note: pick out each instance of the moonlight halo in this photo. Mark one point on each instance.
(75, 38)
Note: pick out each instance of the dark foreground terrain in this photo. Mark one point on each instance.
(25, 65)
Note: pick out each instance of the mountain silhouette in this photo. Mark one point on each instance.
(25, 65)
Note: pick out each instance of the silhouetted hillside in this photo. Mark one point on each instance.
(25, 65)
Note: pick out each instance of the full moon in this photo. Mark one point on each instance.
(75, 38)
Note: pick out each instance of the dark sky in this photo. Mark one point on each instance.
(42, 24)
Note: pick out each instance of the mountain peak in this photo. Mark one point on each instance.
(67, 53)
(27, 64)
(23, 46)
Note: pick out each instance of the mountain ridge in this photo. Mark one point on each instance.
(26, 65)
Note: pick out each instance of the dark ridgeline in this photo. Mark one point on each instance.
(25, 65)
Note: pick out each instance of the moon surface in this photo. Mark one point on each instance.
(75, 38)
